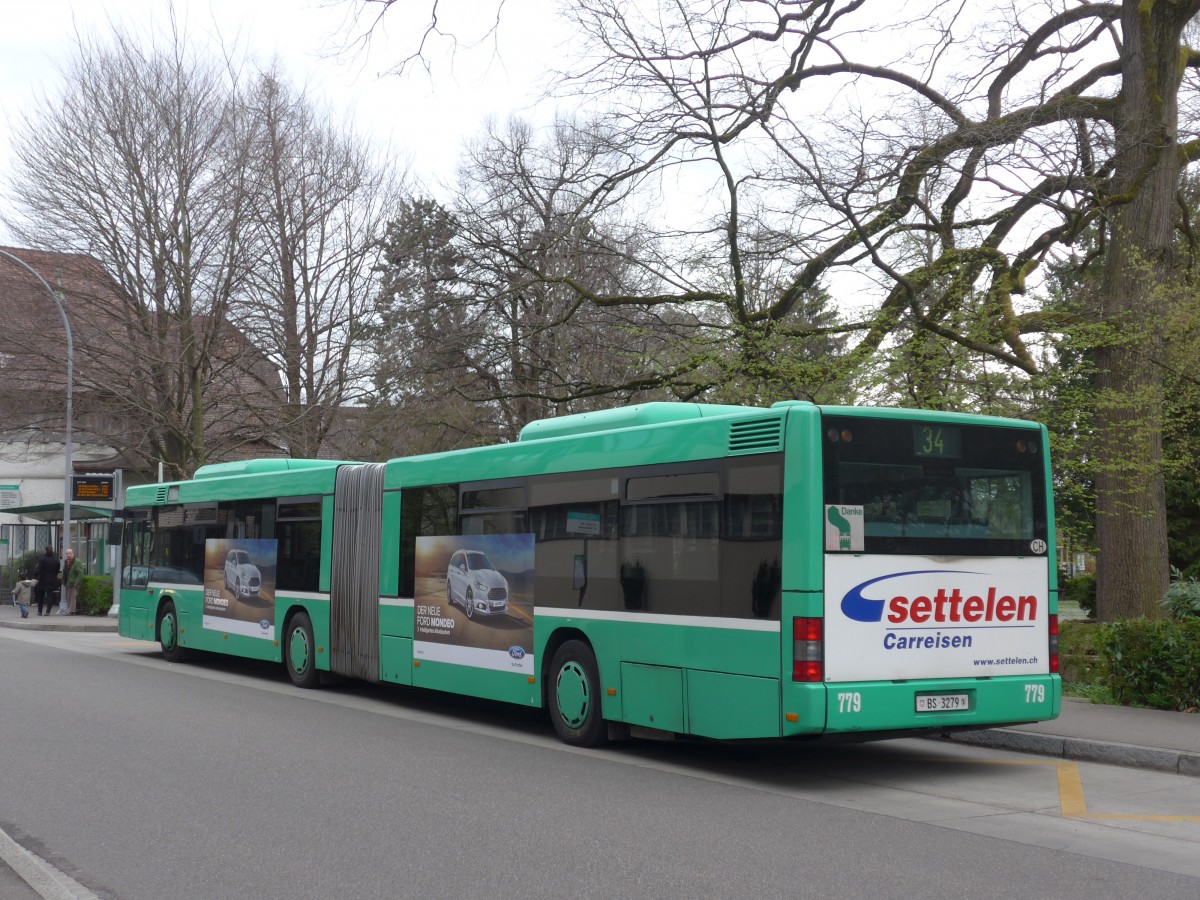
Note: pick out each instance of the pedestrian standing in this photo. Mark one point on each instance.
(46, 575)
(72, 575)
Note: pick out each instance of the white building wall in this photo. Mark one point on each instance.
(32, 473)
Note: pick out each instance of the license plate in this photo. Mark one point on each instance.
(943, 702)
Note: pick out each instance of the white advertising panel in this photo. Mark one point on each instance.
(474, 601)
(239, 586)
(901, 617)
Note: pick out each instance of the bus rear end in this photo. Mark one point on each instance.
(937, 607)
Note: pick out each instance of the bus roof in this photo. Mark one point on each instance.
(637, 416)
(263, 466)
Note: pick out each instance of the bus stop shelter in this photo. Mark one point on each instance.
(43, 527)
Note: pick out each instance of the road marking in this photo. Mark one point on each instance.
(1071, 799)
(1074, 805)
(1070, 791)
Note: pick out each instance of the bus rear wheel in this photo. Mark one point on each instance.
(168, 633)
(299, 651)
(574, 696)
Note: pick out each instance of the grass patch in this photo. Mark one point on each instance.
(1093, 693)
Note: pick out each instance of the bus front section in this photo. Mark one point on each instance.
(938, 609)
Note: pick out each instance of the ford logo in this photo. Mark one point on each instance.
(516, 652)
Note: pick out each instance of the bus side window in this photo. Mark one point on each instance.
(671, 550)
(752, 540)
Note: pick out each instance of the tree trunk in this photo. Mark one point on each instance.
(1131, 525)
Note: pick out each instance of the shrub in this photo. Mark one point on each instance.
(19, 566)
(1082, 590)
(1152, 663)
(1182, 598)
(95, 595)
(1079, 658)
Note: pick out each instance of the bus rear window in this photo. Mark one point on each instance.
(931, 488)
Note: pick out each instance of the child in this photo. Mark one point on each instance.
(22, 592)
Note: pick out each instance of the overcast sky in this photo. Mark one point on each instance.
(424, 117)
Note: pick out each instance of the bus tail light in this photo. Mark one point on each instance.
(808, 650)
(1053, 644)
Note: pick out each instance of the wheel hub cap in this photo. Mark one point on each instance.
(572, 694)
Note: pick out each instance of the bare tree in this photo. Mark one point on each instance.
(141, 164)
(945, 177)
(941, 152)
(499, 314)
(319, 199)
(424, 25)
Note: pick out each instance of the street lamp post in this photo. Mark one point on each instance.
(62, 311)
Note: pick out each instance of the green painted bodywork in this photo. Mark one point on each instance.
(139, 615)
(716, 679)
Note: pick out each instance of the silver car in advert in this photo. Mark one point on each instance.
(474, 584)
(242, 577)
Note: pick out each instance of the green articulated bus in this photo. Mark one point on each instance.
(723, 572)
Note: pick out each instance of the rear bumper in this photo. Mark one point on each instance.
(863, 708)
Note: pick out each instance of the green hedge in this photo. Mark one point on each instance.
(95, 595)
(1079, 658)
(1152, 663)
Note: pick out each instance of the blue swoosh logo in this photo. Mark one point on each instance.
(862, 609)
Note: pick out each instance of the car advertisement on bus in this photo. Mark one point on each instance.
(900, 617)
(239, 586)
(473, 602)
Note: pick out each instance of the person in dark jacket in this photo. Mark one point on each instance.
(46, 574)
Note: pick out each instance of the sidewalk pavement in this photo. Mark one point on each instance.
(10, 617)
(1118, 735)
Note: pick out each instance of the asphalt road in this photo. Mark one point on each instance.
(217, 779)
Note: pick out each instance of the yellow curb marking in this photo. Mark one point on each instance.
(1070, 792)
(1070, 796)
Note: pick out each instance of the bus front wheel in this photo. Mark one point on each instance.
(299, 651)
(574, 695)
(168, 633)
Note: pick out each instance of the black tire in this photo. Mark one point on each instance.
(168, 633)
(300, 652)
(573, 695)
(469, 603)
